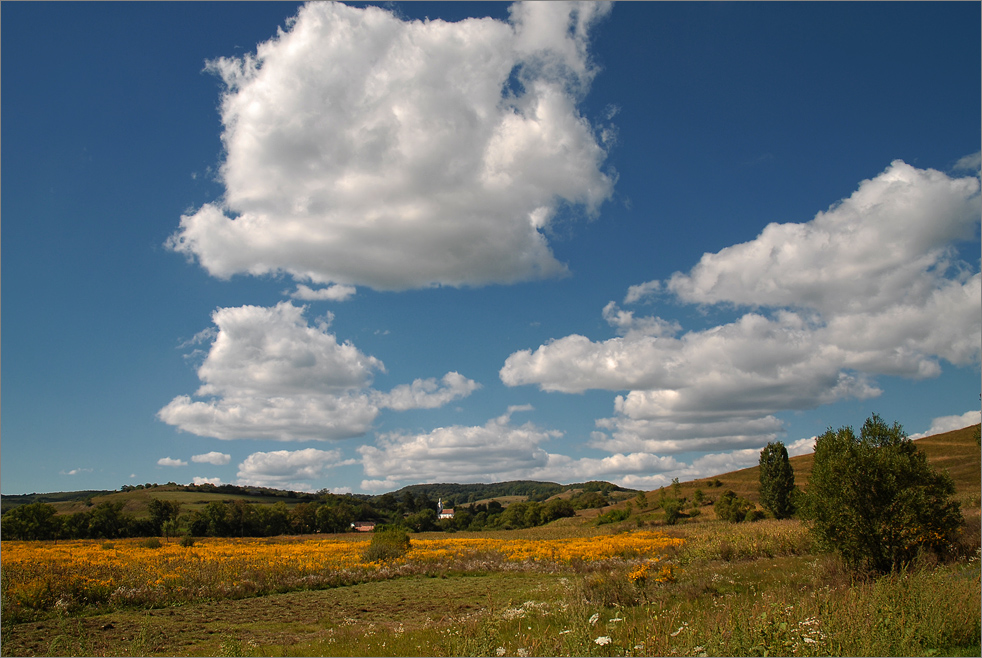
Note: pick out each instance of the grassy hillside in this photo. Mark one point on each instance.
(954, 451)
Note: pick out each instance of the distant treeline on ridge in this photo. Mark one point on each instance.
(34, 517)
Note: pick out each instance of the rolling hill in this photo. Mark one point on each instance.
(954, 451)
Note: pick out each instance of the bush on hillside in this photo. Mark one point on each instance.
(732, 508)
(875, 500)
(613, 516)
(673, 510)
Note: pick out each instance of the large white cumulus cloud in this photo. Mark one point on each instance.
(887, 244)
(269, 375)
(364, 149)
(869, 287)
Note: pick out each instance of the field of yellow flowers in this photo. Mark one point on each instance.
(68, 575)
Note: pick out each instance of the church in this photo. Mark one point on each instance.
(442, 513)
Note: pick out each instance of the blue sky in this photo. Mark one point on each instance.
(353, 247)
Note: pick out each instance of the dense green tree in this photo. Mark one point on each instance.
(422, 521)
(875, 500)
(35, 521)
(329, 519)
(557, 508)
(76, 526)
(162, 511)
(776, 481)
(303, 518)
(216, 514)
(273, 519)
(108, 521)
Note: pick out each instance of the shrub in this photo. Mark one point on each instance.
(776, 481)
(753, 515)
(876, 501)
(613, 516)
(609, 589)
(387, 544)
(150, 542)
(673, 510)
(187, 541)
(732, 508)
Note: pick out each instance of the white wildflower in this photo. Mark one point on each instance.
(616, 619)
(680, 629)
(522, 652)
(501, 651)
(603, 640)
(595, 618)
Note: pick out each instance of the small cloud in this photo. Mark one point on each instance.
(201, 480)
(335, 293)
(132, 475)
(760, 159)
(944, 424)
(76, 471)
(380, 485)
(641, 291)
(802, 447)
(972, 162)
(428, 393)
(203, 336)
(167, 461)
(216, 458)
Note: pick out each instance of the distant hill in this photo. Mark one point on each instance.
(136, 498)
(9, 502)
(955, 451)
(522, 489)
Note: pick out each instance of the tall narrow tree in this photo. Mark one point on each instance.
(776, 481)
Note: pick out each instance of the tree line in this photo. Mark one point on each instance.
(324, 513)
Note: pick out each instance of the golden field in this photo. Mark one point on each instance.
(39, 576)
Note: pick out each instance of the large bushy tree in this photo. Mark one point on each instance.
(776, 481)
(32, 522)
(875, 500)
